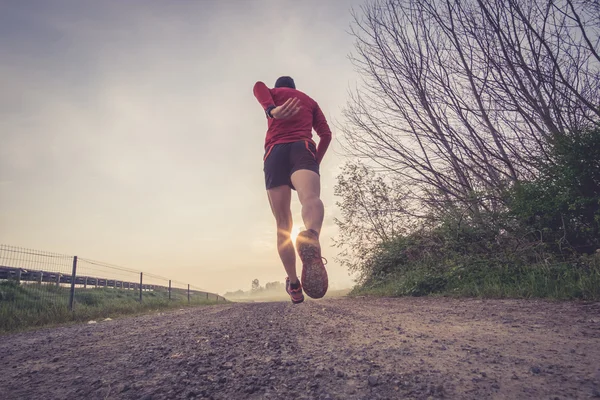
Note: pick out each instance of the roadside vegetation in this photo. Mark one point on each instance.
(32, 305)
(475, 150)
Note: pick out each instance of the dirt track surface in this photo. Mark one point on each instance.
(414, 348)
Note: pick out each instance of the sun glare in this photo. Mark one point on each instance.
(294, 234)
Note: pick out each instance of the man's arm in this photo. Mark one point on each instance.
(263, 95)
(322, 128)
(286, 110)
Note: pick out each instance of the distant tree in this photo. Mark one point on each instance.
(274, 286)
(237, 293)
(255, 285)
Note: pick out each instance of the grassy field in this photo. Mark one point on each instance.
(34, 305)
(556, 281)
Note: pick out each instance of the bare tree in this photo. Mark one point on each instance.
(370, 207)
(460, 97)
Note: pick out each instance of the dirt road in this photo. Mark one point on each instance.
(413, 348)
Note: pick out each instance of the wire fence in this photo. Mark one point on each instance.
(38, 287)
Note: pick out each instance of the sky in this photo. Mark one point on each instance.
(129, 132)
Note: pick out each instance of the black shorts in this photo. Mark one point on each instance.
(282, 160)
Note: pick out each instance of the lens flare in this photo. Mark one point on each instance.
(294, 234)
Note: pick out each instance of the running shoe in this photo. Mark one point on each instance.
(314, 275)
(295, 291)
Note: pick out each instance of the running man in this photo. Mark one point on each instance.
(291, 161)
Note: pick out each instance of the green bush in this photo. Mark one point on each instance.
(544, 243)
(563, 204)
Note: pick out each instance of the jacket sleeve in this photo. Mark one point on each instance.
(322, 128)
(263, 95)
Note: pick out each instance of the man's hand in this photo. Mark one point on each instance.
(287, 109)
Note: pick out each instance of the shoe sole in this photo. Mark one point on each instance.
(314, 275)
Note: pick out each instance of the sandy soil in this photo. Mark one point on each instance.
(410, 348)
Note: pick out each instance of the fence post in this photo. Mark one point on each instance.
(141, 280)
(41, 277)
(85, 283)
(73, 275)
(58, 279)
(188, 293)
(206, 295)
(169, 289)
(19, 276)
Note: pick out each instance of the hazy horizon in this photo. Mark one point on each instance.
(131, 135)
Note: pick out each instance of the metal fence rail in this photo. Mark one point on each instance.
(19, 275)
(34, 282)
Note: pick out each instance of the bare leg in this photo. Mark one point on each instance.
(308, 186)
(314, 275)
(280, 199)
